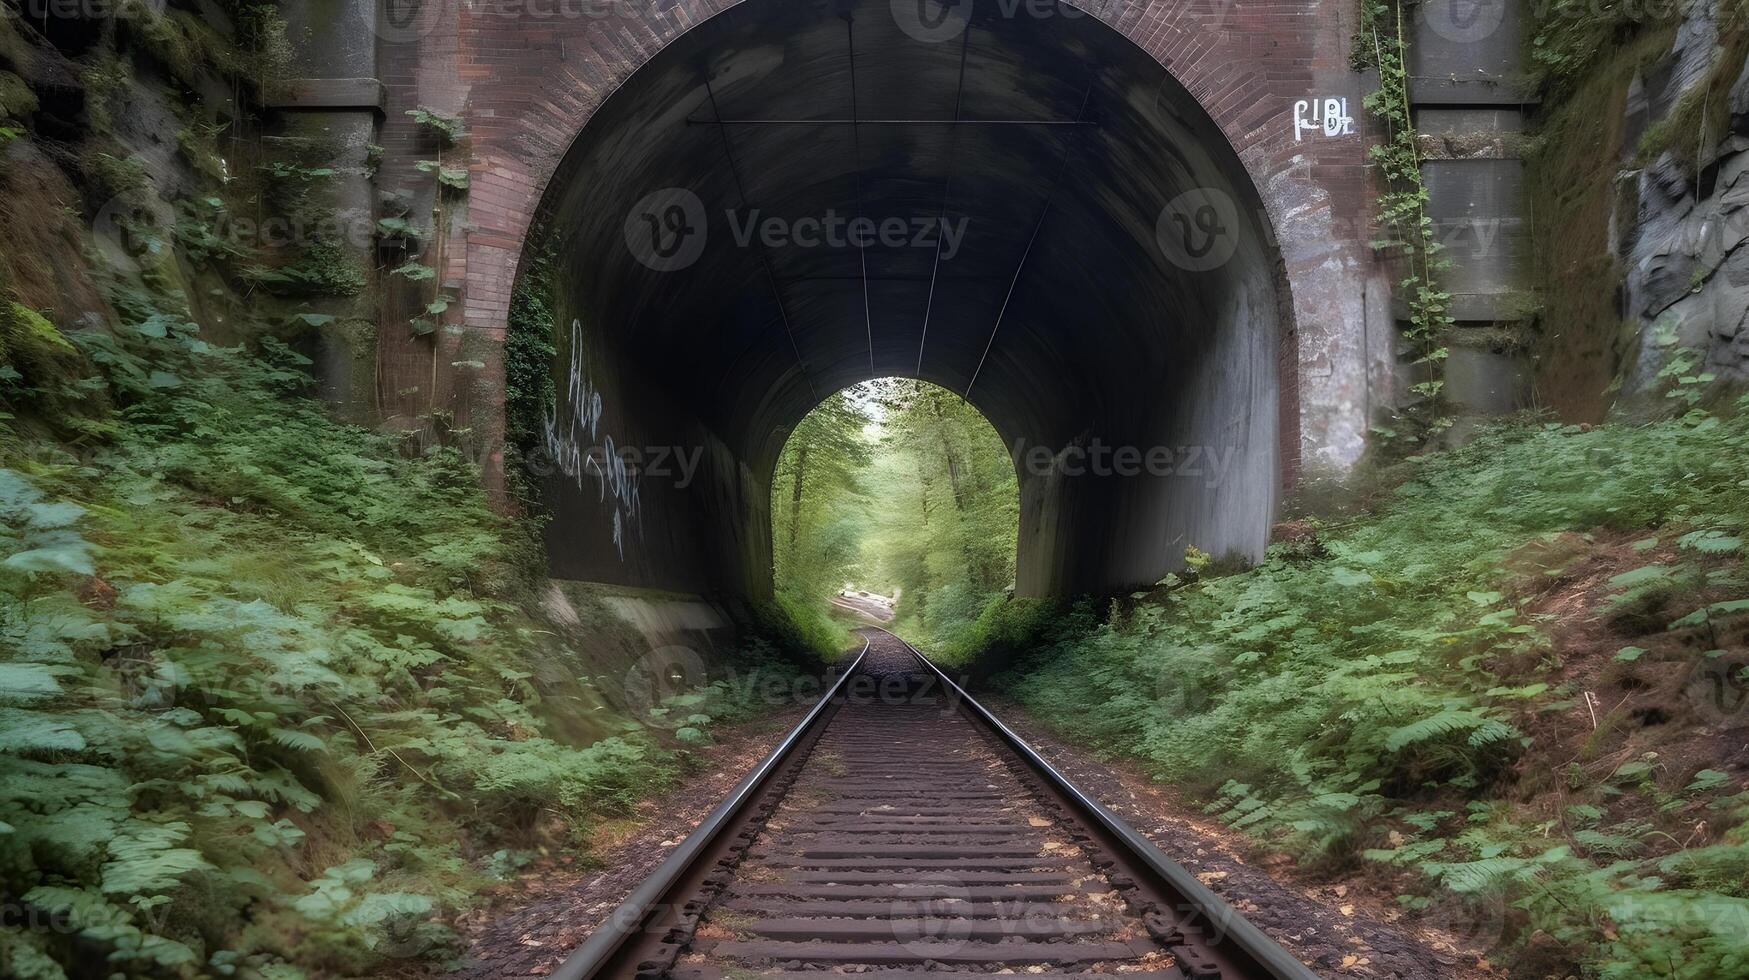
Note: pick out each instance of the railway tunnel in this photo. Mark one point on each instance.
(1014, 202)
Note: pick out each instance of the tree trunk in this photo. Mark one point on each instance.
(954, 479)
(795, 502)
(953, 474)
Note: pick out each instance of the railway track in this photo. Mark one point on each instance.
(901, 831)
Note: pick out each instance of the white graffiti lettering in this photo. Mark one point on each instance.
(1327, 116)
(578, 448)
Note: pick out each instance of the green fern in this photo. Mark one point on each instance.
(1446, 722)
(1327, 718)
(301, 631)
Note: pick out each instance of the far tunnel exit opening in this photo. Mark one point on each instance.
(894, 501)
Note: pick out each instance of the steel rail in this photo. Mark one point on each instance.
(1249, 939)
(613, 937)
(628, 920)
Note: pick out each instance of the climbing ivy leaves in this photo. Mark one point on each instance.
(1405, 228)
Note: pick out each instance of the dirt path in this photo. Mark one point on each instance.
(528, 933)
(1339, 929)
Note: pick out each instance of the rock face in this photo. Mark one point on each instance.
(1687, 284)
(1696, 46)
(1688, 277)
(1740, 101)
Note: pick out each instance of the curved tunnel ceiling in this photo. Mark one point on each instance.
(1048, 146)
(1025, 177)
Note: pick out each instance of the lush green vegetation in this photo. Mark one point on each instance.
(278, 695)
(1507, 686)
(819, 512)
(1406, 231)
(901, 488)
(274, 698)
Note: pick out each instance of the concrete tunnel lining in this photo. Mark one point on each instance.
(1057, 306)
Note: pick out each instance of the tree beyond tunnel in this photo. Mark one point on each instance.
(1027, 211)
(899, 489)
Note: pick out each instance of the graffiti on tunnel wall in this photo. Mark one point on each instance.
(1327, 116)
(583, 451)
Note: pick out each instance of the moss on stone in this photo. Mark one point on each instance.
(1701, 120)
(1575, 41)
(1570, 180)
(529, 350)
(110, 173)
(17, 101)
(321, 269)
(15, 51)
(105, 78)
(1496, 338)
(34, 347)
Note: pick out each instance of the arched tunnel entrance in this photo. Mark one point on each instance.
(1023, 207)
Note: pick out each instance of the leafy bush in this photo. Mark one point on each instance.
(270, 698)
(1352, 695)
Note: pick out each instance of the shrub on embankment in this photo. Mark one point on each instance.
(1513, 690)
(276, 698)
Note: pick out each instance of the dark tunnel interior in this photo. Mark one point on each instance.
(1049, 224)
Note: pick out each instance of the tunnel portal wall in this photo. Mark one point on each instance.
(641, 491)
(1272, 77)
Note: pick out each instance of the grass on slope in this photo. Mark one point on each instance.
(1515, 690)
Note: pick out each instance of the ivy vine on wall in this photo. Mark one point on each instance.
(1405, 229)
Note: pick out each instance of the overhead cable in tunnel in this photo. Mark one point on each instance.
(764, 258)
(1062, 168)
(953, 146)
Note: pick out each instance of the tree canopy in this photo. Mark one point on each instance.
(899, 487)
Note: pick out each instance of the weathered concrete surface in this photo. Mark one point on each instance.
(1465, 57)
(644, 645)
(1482, 382)
(1477, 209)
(328, 108)
(1466, 40)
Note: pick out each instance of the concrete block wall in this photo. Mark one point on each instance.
(331, 105)
(1464, 57)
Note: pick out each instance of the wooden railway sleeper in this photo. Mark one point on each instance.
(1195, 962)
(1178, 932)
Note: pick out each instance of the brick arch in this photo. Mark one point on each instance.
(527, 85)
